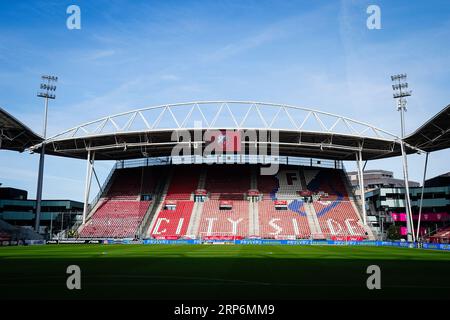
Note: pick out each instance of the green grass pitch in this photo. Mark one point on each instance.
(221, 272)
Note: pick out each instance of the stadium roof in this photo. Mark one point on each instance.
(14, 135)
(154, 131)
(434, 134)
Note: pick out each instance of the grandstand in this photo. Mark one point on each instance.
(16, 233)
(123, 205)
(298, 202)
(116, 219)
(153, 193)
(441, 236)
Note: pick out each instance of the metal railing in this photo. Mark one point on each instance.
(230, 159)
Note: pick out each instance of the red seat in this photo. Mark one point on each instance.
(128, 184)
(216, 222)
(173, 222)
(184, 182)
(230, 183)
(341, 220)
(281, 223)
(115, 218)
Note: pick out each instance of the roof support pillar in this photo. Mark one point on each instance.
(98, 181)
(39, 188)
(421, 195)
(361, 185)
(87, 188)
(409, 221)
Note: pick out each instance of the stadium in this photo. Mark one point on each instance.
(274, 200)
(236, 156)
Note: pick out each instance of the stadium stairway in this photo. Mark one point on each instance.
(153, 215)
(313, 222)
(253, 227)
(194, 223)
(255, 211)
(158, 198)
(251, 218)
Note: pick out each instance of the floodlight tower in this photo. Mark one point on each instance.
(400, 93)
(48, 86)
(400, 87)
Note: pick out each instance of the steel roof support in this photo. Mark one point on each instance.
(361, 185)
(254, 106)
(409, 221)
(421, 195)
(40, 183)
(107, 129)
(87, 188)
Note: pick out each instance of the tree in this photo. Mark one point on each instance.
(393, 232)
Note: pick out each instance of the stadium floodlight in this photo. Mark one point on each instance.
(400, 86)
(398, 77)
(49, 78)
(47, 86)
(400, 95)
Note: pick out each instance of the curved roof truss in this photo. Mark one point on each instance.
(213, 114)
(303, 131)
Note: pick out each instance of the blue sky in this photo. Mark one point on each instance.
(131, 54)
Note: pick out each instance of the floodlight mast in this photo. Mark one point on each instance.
(48, 86)
(400, 94)
(400, 87)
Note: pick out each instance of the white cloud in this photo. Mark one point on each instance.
(99, 54)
